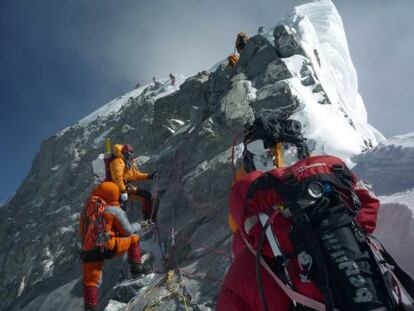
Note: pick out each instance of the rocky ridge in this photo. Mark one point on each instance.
(185, 133)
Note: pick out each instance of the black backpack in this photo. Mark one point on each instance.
(352, 270)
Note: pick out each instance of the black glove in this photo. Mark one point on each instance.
(152, 175)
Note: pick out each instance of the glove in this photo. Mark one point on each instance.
(124, 196)
(136, 226)
(152, 175)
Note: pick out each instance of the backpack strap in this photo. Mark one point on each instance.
(293, 295)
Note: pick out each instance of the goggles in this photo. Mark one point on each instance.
(128, 155)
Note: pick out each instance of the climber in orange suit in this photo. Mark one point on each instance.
(121, 237)
(123, 169)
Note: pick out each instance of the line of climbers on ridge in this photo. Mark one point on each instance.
(104, 226)
(157, 84)
(301, 232)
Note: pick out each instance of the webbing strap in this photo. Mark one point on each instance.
(293, 295)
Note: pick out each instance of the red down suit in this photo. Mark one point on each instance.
(239, 290)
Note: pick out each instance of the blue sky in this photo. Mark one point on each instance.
(60, 60)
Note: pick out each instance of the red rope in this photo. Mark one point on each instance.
(200, 276)
(200, 245)
(190, 241)
(194, 203)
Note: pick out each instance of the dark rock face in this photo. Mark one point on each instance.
(385, 167)
(276, 70)
(276, 99)
(285, 42)
(258, 54)
(251, 50)
(186, 136)
(127, 290)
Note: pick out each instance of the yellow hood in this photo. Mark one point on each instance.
(117, 150)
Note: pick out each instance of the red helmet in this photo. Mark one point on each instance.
(128, 152)
(127, 148)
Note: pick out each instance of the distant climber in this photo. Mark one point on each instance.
(233, 59)
(241, 41)
(137, 85)
(157, 84)
(172, 78)
(260, 31)
(303, 223)
(106, 232)
(124, 170)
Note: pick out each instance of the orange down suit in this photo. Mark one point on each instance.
(122, 233)
(120, 174)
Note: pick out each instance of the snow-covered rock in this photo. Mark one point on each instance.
(114, 305)
(313, 46)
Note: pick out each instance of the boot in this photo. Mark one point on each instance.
(89, 307)
(136, 269)
(141, 268)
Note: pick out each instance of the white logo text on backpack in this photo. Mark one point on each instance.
(305, 167)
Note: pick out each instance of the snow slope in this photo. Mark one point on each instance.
(340, 128)
(114, 106)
